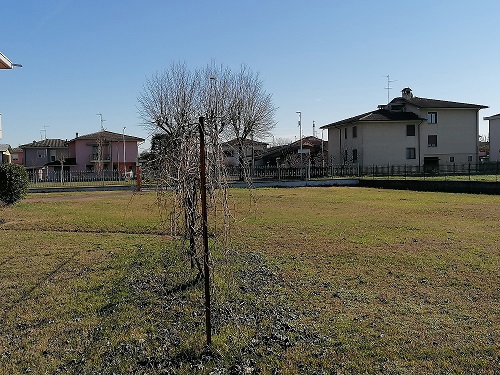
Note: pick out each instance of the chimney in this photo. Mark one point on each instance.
(406, 93)
(76, 135)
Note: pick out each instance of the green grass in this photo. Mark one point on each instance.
(328, 280)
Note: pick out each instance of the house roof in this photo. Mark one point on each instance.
(494, 117)
(380, 115)
(435, 103)
(235, 141)
(108, 136)
(17, 149)
(5, 147)
(5, 63)
(47, 143)
(66, 162)
(307, 142)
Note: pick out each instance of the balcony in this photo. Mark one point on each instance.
(94, 158)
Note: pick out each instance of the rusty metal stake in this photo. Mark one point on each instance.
(203, 189)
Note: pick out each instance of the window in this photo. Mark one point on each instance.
(410, 130)
(53, 155)
(432, 117)
(355, 155)
(42, 153)
(410, 153)
(15, 156)
(469, 158)
(432, 140)
(354, 132)
(345, 156)
(452, 159)
(345, 133)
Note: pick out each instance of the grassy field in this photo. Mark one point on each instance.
(317, 280)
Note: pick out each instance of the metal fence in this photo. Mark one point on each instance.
(479, 172)
(79, 178)
(472, 172)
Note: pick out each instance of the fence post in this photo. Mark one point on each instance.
(139, 178)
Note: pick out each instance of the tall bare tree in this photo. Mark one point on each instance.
(251, 110)
(233, 104)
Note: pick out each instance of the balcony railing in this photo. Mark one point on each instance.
(94, 158)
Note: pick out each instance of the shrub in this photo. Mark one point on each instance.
(13, 183)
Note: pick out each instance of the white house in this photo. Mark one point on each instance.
(408, 131)
(494, 135)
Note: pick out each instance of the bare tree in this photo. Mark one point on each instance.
(250, 111)
(171, 103)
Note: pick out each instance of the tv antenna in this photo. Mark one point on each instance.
(388, 88)
(102, 120)
(44, 130)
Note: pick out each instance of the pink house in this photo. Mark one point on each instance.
(104, 150)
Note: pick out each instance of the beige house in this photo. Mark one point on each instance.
(5, 154)
(408, 131)
(494, 135)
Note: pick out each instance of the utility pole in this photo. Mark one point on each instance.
(124, 160)
(99, 145)
(300, 137)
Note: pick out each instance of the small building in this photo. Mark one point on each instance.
(5, 154)
(248, 151)
(45, 156)
(314, 153)
(494, 135)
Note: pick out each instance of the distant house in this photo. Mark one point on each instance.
(314, 152)
(494, 130)
(17, 156)
(248, 151)
(45, 156)
(104, 150)
(408, 131)
(5, 154)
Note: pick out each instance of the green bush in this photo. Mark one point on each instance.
(13, 183)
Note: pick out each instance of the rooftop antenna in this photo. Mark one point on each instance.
(102, 120)
(44, 130)
(388, 88)
(314, 129)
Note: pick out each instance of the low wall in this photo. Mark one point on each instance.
(473, 187)
(297, 183)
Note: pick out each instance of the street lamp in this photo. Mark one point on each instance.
(124, 160)
(300, 137)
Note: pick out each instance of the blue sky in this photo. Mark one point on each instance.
(327, 59)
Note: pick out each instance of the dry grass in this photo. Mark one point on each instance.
(348, 280)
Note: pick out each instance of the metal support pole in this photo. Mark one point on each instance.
(206, 268)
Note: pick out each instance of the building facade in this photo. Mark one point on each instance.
(494, 135)
(106, 151)
(408, 131)
(45, 155)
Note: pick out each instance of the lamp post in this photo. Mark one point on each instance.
(300, 137)
(124, 160)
